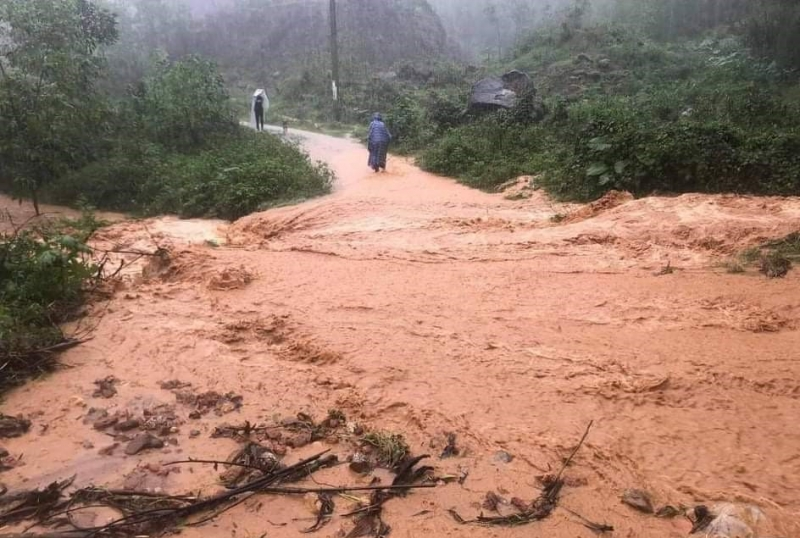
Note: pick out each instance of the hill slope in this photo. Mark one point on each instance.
(268, 38)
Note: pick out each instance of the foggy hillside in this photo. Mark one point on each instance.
(486, 28)
(259, 40)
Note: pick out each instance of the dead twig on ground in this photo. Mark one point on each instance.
(589, 524)
(540, 508)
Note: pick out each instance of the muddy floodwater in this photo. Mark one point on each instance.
(417, 305)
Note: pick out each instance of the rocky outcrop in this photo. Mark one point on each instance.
(495, 92)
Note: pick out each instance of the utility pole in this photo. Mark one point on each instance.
(335, 63)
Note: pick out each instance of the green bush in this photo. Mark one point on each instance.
(236, 175)
(43, 275)
(244, 174)
(488, 152)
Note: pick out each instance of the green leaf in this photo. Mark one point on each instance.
(599, 144)
(606, 179)
(596, 169)
(620, 166)
(48, 258)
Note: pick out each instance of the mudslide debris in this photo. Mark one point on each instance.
(143, 441)
(450, 450)
(106, 387)
(639, 500)
(253, 469)
(539, 509)
(13, 426)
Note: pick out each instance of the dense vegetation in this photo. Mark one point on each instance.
(169, 142)
(45, 272)
(667, 97)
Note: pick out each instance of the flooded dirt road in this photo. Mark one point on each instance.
(414, 304)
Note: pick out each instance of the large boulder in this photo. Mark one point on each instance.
(494, 93)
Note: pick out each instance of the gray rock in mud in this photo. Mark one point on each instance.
(638, 499)
(501, 456)
(361, 463)
(127, 425)
(105, 423)
(141, 442)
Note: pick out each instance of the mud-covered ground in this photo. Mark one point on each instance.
(417, 305)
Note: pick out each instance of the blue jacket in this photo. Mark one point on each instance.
(378, 133)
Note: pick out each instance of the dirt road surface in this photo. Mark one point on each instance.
(417, 305)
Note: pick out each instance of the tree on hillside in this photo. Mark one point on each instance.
(51, 111)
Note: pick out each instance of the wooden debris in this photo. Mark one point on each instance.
(13, 426)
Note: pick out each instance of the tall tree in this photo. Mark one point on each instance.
(49, 106)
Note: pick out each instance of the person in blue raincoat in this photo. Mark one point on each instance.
(378, 143)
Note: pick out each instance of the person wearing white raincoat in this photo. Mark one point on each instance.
(258, 108)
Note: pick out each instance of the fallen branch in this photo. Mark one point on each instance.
(589, 524)
(540, 508)
(575, 451)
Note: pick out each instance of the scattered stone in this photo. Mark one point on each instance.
(604, 63)
(13, 426)
(160, 419)
(143, 441)
(127, 425)
(195, 415)
(299, 440)
(174, 384)
(194, 433)
(220, 404)
(173, 441)
(94, 414)
(108, 450)
(360, 463)
(492, 501)
(668, 512)
(501, 456)
(105, 423)
(106, 387)
(154, 468)
(273, 434)
(639, 500)
(88, 445)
